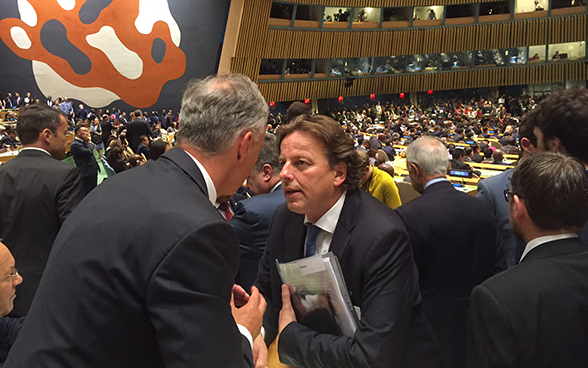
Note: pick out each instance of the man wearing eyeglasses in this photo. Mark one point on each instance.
(534, 314)
(9, 280)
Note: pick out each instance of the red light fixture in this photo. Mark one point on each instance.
(340, 98)
(430, 91)
(272, 104)
(401, 94)
(307, 101)
(372, 96)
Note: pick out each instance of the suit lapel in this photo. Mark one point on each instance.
(346, 223)
(294, 236)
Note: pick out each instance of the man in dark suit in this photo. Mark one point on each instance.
(122, 290)
(534, 314)
(37, 194)
(320, 177)
(137, 128)
(143, 148)
(454, 242)
(252, 217)
(82, 151)
(561, 125)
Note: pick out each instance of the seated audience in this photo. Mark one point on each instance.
(136, 160)
(116, 159)
(143, 148)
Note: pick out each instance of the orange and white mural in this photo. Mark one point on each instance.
(117, 47)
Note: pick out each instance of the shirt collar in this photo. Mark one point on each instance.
(436, 180)
(276, 186)
(328, 221)
(210, 188)
(545, 239)
(35, 149)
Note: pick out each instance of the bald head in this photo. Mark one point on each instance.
(9, 279)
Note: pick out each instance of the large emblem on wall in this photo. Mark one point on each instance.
(98, 51)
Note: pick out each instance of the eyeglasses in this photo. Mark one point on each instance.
(508, 194)
(11, 275)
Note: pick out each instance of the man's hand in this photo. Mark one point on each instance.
(250, 314)
(259, 352)
(287, 314)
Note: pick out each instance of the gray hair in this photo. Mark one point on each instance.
(216, 110)
(269, 154)
(429, 154)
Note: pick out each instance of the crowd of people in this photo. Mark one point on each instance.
(185, 271)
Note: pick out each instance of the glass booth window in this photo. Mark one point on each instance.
(488, 58)
(337, 14)
(271, 66)
(558, 4)
(298, 66)
(514, 55)
(456, 60)
(565, 51)
(309, 12)
(537, 54)
(389, 64)
(358, 66)
(527, 6)
(337, 68)
(430, 62)
(281, 10)
(428, 13)
(397, 14)
(367, 14)
(414, 63)
(495, 7)
(460, 11)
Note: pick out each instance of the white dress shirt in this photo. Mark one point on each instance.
(327, 223)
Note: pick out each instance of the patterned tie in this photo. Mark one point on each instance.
(311, 234)
(225, 208)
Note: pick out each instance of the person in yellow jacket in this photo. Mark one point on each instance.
(380, 184)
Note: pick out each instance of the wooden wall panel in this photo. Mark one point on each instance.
(529, 74)
(286, 43)
(386, 3)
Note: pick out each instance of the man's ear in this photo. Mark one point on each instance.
(243, 144)
(554, 145)
(527, 146)
(268, 172)
(340, 173)
(46, 135)
(519, 210)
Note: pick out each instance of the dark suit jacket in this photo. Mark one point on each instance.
(37, 193)
(453, 237)
(251, 222)
(84, 157)
(535, 314)
(491, 190)
(373, 249)
(152, 291)
(135, 129)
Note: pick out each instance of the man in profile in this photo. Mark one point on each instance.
(320, 175)
(156, 290)
(453, 237)
(37, 194)
(9, 280)
(82, 150)
(252, 217)
(534, 314)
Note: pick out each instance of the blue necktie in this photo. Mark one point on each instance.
(311, 234)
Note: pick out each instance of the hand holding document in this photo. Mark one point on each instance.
(319, 294)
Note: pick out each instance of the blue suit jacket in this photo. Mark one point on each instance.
(492, 191)
(251, 223)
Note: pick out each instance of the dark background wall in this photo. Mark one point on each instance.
(202, 24)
